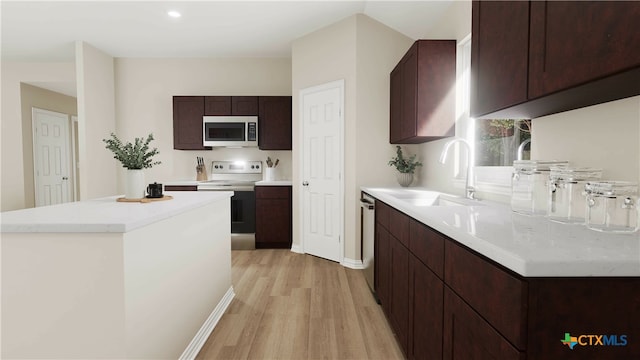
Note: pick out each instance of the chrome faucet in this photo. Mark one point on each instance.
(521, 148)
(470, 190)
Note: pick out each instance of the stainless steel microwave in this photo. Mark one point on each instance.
(230, 131)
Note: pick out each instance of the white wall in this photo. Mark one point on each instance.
(362, 52)
(12, 188)
(455, 24)
(605, 136)
(144, 91)
(96, 120)
(378, 50)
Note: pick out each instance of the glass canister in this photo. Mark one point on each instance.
(529, 185)
(612, 206)
(566, 198)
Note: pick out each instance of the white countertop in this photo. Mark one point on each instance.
(274, 183)
(529, 246)
(105, 214)
(258, 183)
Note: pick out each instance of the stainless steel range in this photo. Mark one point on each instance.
(239, 177)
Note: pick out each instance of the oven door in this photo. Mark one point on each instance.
(243, 212)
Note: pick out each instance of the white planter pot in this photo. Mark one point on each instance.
(134, 186)
(404, 179)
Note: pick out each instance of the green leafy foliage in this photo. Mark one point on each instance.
(403, 164)
(133, 156)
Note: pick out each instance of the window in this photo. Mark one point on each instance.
(499, 142)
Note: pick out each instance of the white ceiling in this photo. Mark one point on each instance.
(47, 30)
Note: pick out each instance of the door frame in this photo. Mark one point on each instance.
(69, 147)
(339, 84)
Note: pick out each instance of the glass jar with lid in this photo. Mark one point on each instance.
(566, 198)
(612, 206)
(529, 185)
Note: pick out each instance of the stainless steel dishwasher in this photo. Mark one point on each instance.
(368, 212)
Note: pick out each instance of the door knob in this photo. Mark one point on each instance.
(305, 183)
(65, 178)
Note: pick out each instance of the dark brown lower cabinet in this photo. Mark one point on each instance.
(425, 312)
(399, 297)
(468, 336)
(273, 217)
(180, 188)
(445, 301)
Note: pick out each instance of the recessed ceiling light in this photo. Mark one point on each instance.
(174, 14)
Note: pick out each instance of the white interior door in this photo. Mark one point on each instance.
(50, 157)
(322, 166)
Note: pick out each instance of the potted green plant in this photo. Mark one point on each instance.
(134, 157)
(405, 166)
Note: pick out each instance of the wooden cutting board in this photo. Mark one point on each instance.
(145, 200)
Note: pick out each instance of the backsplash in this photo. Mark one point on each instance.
(181, 165)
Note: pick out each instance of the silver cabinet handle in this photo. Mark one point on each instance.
(305, 183)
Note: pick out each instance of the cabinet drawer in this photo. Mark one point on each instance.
(273, 192)
(493, 292)
(428, 246)
(399, 226)
(180, 188)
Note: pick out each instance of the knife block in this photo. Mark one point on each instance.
(201, 173)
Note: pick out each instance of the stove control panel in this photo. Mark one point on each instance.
(236, 167)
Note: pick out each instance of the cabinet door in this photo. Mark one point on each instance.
(422, 93)
(187, 122)
(274, 127)
(576, 42)
(409, 93)
(244, 105)
(217, 105)
(468, 336)
(399, 275)
(499, 55)
(426, 293)
(382, 261)
(395, 106)
(273, 217)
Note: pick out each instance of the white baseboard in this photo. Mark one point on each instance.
(296, 248)
(203, 334)
(352, 264)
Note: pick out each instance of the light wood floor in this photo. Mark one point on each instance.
(294, 306)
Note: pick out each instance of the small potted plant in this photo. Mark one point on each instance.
(134, 157)
(405, 166)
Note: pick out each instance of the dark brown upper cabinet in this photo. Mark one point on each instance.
(187, 122)
(274, 126)
(499, 55)
(231, 105)
(274, 118)
(531, 59)
(422, 102)
(244, 105)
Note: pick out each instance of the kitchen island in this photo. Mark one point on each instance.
(107, 279)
